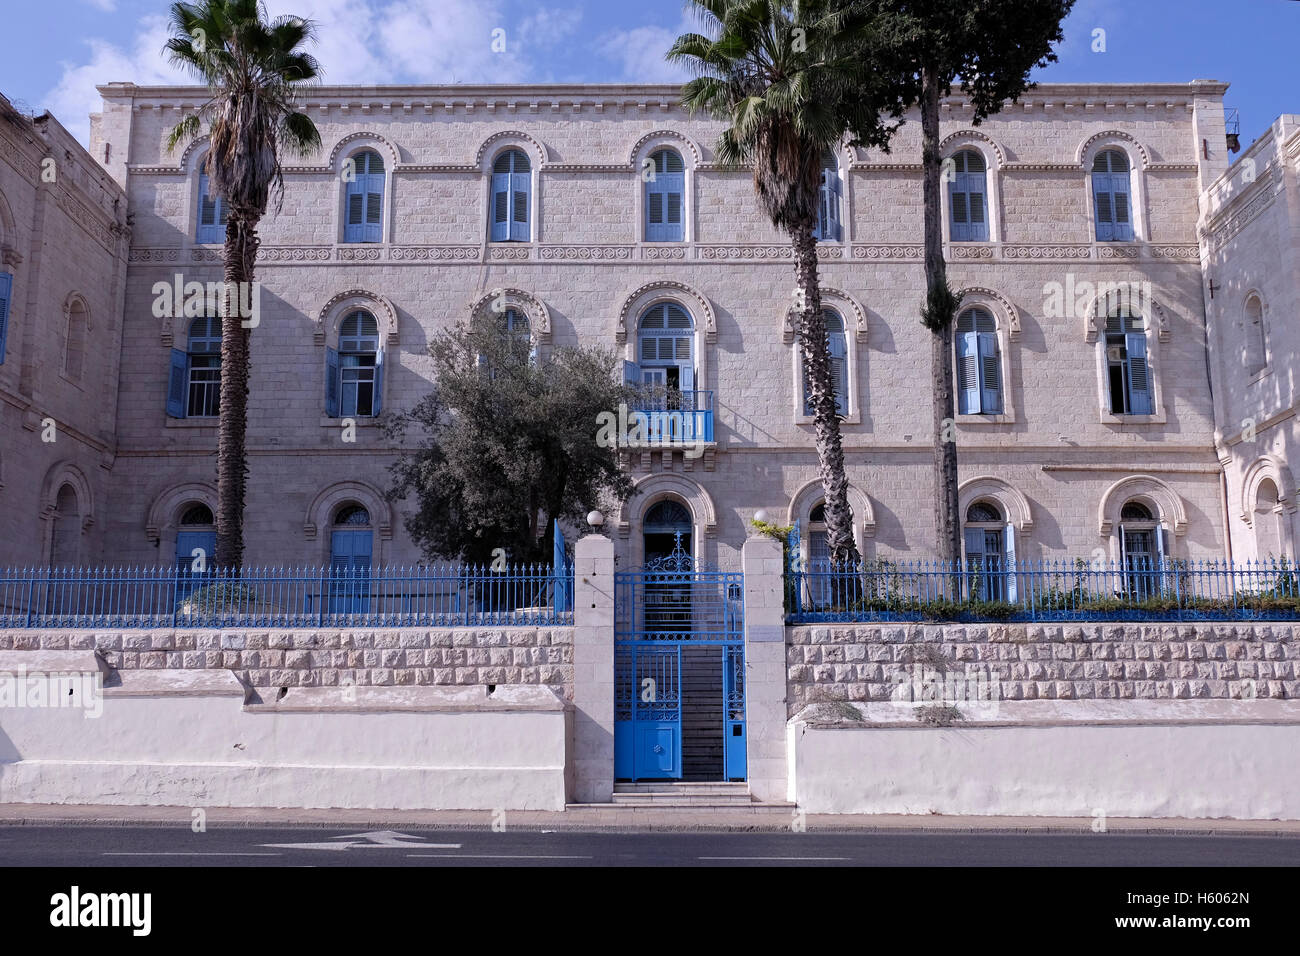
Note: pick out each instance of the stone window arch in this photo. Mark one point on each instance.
(519, 157)
(986, 339)
(68, 508)
(76, 333)
(332, 502)
(528, 310)
(1168, 517)
(1111, 162)
(1255, 335)
(648, 156)
(648, 491)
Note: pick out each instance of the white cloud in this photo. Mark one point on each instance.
(357, 42)
(108, 6)
(640, 53)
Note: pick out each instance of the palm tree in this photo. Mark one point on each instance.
(921, 47)
(787, 82)
(254, 68)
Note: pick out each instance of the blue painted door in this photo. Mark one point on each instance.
(194, 550)
(350, 553)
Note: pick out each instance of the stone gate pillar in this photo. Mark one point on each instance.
(765, 669)
(593, 670)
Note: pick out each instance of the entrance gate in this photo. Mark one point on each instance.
(679, 672)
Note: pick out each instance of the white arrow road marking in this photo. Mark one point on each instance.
(371, 840)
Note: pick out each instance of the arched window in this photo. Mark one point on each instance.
(829, 198)
(990, 552)
(1111, 191)
(665, 354)
(839, 349)
(196, 543)
(354, 373)
(1256, 351)
(967, 197)
(665, 197)
(1142, 545)
(979, 365)
(65, 546)
(511, 188)
(517, 328)
(1128, 371)
(351, 550)
(212, 214)
(74, 353)
(1267, 522)
(365, 199)
(194, 387)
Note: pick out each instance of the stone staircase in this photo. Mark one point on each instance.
(701, 685)
(672, 793)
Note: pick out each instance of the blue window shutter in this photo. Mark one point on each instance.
(974, 543)
(968, 375)
(520, 187)
(1121, 207)
(354, 210)
(1139, 374)
(836, 198)
(631, 373)
(1009, 544)
(990, 373)
(377, 402)
(840, 372)
(373, 229)
(1103, 210)
(500, 212)
(207, 228)
(674, 205)
(977, 208)
(6, 293)
(822, 229)
(960, 216)
(178, 383)
(331, 382)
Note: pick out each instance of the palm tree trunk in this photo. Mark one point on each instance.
(821, 394)
(232, 460)
(938, 318)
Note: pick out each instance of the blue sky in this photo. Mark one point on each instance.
(68, 46)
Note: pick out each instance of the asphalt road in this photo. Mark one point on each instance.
(90, 846)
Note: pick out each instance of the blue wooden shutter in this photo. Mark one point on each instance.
(354, 223)
(664, 207)
(835, 229)
(1139, 374)
(178, 383)
(631, 373)
(961, 231)
(6, 292)
(559, 568)
(974, 543)
(207, 213)
(373, 228)
(1104, 211)
(968, 376)
(1009, 543)
(500, 217)
(331, 382)
(840, 372)
(377, 402)
(1121, 207)
(976, 208)
(520, 188)
(990, 373)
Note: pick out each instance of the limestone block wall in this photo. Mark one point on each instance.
(867, 662)
(329, 657)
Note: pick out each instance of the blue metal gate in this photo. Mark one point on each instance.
(679, 652)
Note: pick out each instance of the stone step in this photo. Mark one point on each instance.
(682, 794)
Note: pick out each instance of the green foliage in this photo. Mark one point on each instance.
(220, 598)
(940, 304)
(506, 444)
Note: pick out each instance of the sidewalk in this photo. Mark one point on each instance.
(608, 817)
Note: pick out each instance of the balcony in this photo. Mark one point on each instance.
(671, 417)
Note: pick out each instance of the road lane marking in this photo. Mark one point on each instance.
(175, 853)
(494, 856)
(794, 859)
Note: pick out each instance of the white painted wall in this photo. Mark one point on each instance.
(163, 740)
(1197, 759)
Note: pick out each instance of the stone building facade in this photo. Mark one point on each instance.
(1088, 402)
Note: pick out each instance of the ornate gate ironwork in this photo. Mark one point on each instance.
(679, 671)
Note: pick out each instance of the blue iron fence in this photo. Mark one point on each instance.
(672, 415)
(1145, 590)
(447, 595)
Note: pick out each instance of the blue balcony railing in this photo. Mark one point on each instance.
(1143, 589)
(673, 416)
(447, 595)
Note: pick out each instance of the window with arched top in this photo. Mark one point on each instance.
(6, 293)
(74, 346)
(213, 214)
(65, 545)
(837, 341)
(196, 543)
(979, 364)
(829, 200)
(665, 351)
(1256, 338)
(1128, 370)
(364, 198)
(990, 542)
(968, 198)
(1143, 548)
(1266, 522)
(511, 192)
(354, 371)
(665, 197)
(1112, 196)
(194, 384)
